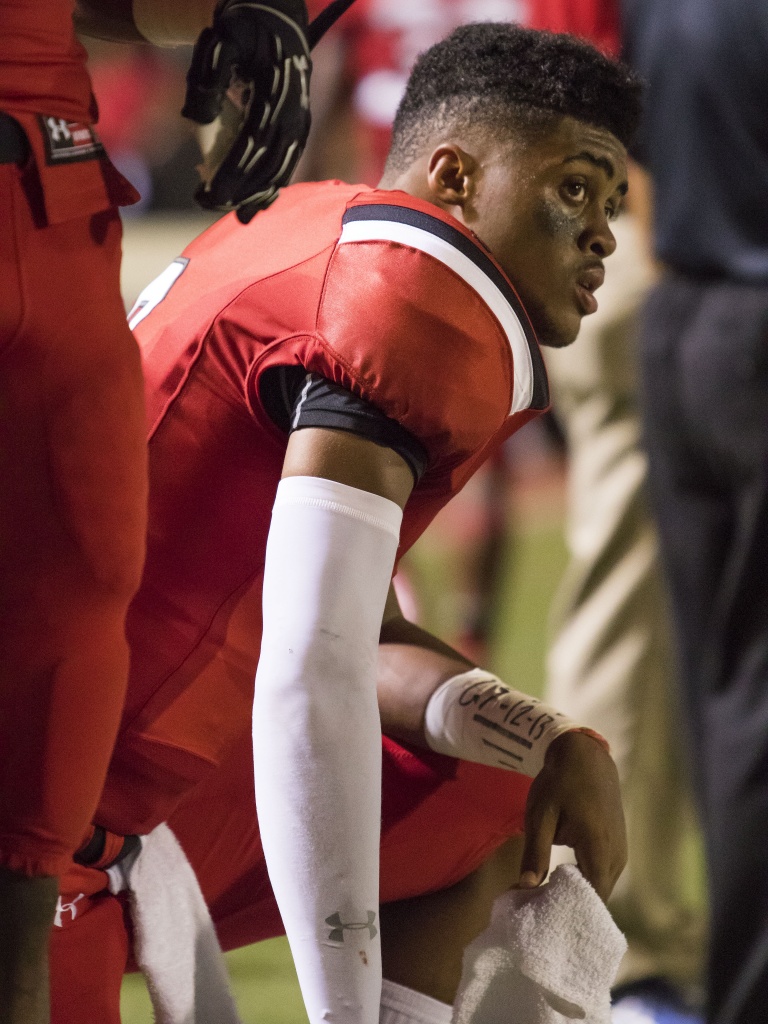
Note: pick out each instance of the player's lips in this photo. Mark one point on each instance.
(588, 281)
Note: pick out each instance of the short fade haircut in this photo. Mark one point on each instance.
(515, 80)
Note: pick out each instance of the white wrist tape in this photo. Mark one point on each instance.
(172, 22)
(317, 736)
(476, 717)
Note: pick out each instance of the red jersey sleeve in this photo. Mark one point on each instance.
(417, 318)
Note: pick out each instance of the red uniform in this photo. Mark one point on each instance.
(72, 444)
(330, 288)
(395, 301)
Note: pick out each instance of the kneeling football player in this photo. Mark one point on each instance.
(320, 382)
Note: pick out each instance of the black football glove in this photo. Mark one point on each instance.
(261, 50)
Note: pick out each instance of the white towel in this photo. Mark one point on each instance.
(549, 954)
(175, 943)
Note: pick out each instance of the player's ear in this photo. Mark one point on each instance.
(451, 175)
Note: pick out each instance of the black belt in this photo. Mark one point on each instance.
(93, 853)
(14, 146)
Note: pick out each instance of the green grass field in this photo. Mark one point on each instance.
(264, 980)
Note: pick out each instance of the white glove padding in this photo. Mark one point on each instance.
(317, 736)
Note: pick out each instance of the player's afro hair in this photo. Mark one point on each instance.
(511, 78)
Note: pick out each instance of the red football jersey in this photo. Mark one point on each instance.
(381, 293)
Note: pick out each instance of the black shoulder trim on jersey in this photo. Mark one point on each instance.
(294, 400)
(475, 252)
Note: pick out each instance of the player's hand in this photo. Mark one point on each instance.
(253, 65)
(575, 801)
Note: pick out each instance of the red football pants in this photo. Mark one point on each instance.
(72, 519)
(441, 819)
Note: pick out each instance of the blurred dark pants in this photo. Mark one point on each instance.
(704, 355)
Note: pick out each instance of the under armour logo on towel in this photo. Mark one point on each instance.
(338, 927)
(68, 908)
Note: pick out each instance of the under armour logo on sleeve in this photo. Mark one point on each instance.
(338, 927)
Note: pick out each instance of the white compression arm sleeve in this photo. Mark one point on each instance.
(317, 736)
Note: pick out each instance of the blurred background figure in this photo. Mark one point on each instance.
(704, 359)
(610, 658)
(359, 79)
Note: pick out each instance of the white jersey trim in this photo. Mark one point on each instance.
(156, 291)
(488, 291)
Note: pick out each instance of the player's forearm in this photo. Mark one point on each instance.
(166, 22)
(27, 906)
(431, 696)
(412, 664)
(317, 738)
(320, 837)
(107, 19)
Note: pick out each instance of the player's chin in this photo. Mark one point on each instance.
(558, 330)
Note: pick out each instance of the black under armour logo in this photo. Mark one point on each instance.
(338, 927)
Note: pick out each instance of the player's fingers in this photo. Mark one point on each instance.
(593, 866)
(248, 210)
(208, 77)
(540, 827)
(601, 859)
(253, 170)
(259, 162)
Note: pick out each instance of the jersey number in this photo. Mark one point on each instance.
(156, 291)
